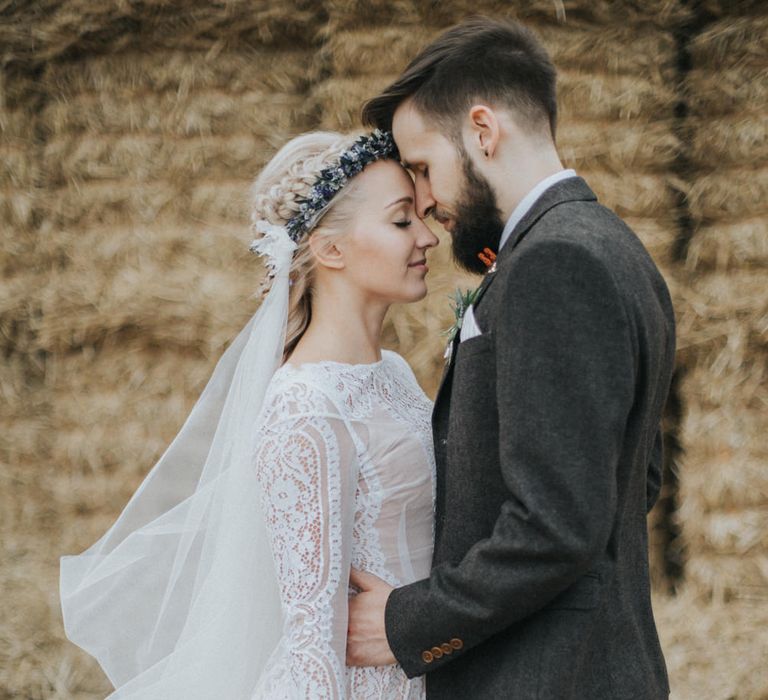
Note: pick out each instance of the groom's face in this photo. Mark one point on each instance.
(448, 187)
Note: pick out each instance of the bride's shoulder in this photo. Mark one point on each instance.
(296, 390)
(395, 359)
(401, 366)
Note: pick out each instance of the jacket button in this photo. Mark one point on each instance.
(447, 648)
(437, 652)
(456, 643)
(443, 441)
(427, 657)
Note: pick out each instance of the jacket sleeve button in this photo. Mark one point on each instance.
(456, 643)
(427, 657)
(437, 652)
(447, 648)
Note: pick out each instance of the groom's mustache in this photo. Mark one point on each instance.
(440, 215)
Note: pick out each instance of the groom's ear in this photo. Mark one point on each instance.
(327, 253)
(484, 131)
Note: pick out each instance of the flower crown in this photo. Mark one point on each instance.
(365, 150)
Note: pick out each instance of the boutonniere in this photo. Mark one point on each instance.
(463, 300)
(488, 257)
(460, 302)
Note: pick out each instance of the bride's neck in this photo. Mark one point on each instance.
(345, 327)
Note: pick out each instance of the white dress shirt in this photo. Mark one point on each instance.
(469, 327)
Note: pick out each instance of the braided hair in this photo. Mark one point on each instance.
(275, 197)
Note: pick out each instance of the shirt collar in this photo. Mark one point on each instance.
(527, 202)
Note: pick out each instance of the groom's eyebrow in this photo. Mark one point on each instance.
(397, 201)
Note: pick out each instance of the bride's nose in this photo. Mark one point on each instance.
(425, 238)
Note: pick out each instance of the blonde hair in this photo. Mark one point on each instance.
(287, 178)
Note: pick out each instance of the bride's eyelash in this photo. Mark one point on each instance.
(403, 224)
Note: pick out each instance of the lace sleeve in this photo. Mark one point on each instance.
(306, 462)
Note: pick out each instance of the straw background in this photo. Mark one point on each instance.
(129, 135)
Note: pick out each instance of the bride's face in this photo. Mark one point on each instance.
(385, 249)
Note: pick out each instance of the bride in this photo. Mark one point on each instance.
(308, 452)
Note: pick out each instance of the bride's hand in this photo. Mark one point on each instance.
(366, 634)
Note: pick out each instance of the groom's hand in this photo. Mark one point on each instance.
(367, 643)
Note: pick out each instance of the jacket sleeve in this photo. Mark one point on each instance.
(565, 374)
(307, 466)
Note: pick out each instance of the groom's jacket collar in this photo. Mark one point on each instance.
(572, 189)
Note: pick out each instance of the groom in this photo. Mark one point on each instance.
(546, 423)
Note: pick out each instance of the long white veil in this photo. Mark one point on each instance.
(179, 598)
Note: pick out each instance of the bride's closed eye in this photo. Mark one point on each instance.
(403, 224)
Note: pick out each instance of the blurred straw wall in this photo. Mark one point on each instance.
(130, 134)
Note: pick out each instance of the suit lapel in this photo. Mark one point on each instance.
(568, 190)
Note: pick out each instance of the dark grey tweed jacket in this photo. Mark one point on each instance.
(548, 445)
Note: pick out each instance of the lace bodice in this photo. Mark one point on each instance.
(345, 460)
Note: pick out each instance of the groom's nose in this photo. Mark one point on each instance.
(425, 202)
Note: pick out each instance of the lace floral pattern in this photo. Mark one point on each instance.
(331, 497)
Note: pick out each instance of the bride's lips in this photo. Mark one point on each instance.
(420, 264)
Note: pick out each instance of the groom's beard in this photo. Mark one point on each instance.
(478, 223)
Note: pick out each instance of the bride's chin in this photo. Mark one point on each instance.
(419, 296)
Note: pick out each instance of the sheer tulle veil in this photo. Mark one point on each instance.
(185, 574)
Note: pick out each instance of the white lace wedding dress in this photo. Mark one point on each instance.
(346, 463)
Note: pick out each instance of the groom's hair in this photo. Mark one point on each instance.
(499, 61)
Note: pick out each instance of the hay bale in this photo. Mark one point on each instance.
(54, 29)
(618, 146)
(602, 12)
(726, 577)
(19, 169)
(731, 8)
(737, 193)
(712, 649)
(723, 487)
(24, 409)
(725, 246)
(212, 111)
(123, 153)
(338, 100)
(731, 43)
(176, 288)
(711, 94)
(144, 158)
(725, 311)
(617, 48)
(182, 71)
(634, 194)
(644, 53)
(354, 14)
(117, 406)
(361, 52)
(728, 141)
(616, 97)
